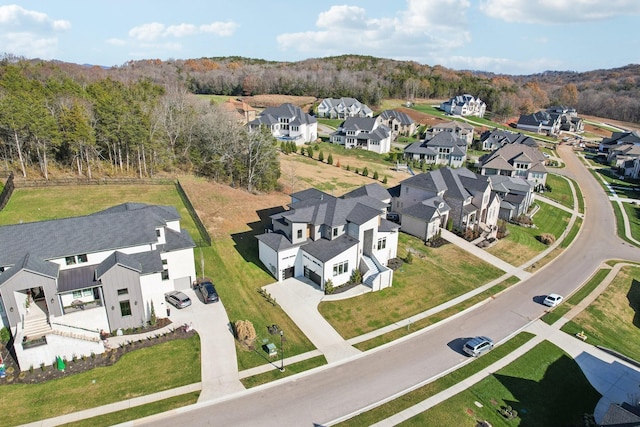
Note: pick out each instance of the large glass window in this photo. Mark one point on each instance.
(382, 243)
(340, 268)
(125, 308)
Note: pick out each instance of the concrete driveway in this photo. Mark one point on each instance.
(218, 349)
(299, 298)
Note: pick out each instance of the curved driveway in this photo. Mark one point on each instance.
(333, 391)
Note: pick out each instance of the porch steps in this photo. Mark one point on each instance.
(36, 327)
(74, 335)
(372, 271)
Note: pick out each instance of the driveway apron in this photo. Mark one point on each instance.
(299, 298)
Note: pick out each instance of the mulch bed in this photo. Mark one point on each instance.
(86, 363)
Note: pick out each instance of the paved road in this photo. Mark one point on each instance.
(329, 393)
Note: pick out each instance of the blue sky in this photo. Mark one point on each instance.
(502, 36)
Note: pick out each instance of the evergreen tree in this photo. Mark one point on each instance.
(330, 159)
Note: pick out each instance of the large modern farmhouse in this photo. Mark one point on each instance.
(64, 281)
(326, 238)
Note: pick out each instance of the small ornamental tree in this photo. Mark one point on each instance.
(385, 180)
(321, 156)
(284, 147)
(330, 159)
(409, 258)
(310, 152)
(375, 175)
(365, 171)
(153, 320)
(348, 167)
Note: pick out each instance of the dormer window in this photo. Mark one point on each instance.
(157, 232)
(299, 234)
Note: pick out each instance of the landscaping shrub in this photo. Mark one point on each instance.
(547, 238)
(409, 258)
(5, 336)
(330, 159)
(524, 220)
(328, 287)
(245, 332)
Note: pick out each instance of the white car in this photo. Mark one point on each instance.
(552, 300)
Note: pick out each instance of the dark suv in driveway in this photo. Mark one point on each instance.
(208, 292)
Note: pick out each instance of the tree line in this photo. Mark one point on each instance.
(53, 119)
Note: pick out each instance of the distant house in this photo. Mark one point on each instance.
(619, 138)
(516, 160)
(399, 122)
(325, 238)
(240, 109)
(460, 129)
(569, 120)
(491, 140)
(363, 132)
(443, 148)
(540, 122)
(287, 123)
(341, 108)
(464, 105)
(427, 201)
(62, 281)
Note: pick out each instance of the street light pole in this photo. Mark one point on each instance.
(282, 350)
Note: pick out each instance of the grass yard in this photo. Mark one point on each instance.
(137, 412)
(437, 317)
(450, 272)
(545, 386)
(617, 211)
(407, 400)
(521, 244)
(622, 188)
(135, 374)
(613, 319)
(633, 213)
(560, 190)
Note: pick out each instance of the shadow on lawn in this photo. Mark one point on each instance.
(561, 397)
(633, 296)
(246, 243)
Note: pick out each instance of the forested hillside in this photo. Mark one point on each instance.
(140, 120)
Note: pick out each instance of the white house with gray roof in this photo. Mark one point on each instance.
(464, 105)
(287, 123)
(326, 238)
(516, 160)
(341, 108)
(365, 133)
(63, 281)
(460, 129)
(442, 148)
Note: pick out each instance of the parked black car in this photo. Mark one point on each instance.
(208, 292)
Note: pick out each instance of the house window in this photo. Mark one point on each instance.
(125, 308)
(340, 268)
(123, 291)
(87, 292)
(165, 274)
(299, 234)
(335, 232)
(157, 232)
(70, 260)
(82, 258)
(164, 262)
(382, 243)
(77, 294)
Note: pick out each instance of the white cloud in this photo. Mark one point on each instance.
(558, 11)
(181, 30)
(29, 33)
(222, 29)
(433, 26)
(147, 32)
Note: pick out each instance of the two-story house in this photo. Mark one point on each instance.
(287, 123)
(427, 201)
(460, 129)
(619, 138)
(398, 122)
(63, 281)
(464, 105)
(443, 148)
(516, 160)
(341, 108)
(540, 122)
(516, 195)
(491, 140)
(363, 132)
(322, 238)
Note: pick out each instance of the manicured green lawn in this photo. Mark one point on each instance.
(407, 400)
(623, 188)
(521, 244)
(620, 223)
(137, 373)
(137, 412)
(613, 319)
(560, 190)
(545, 386)
(633, 213)
(334, 123)
(436, 276)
